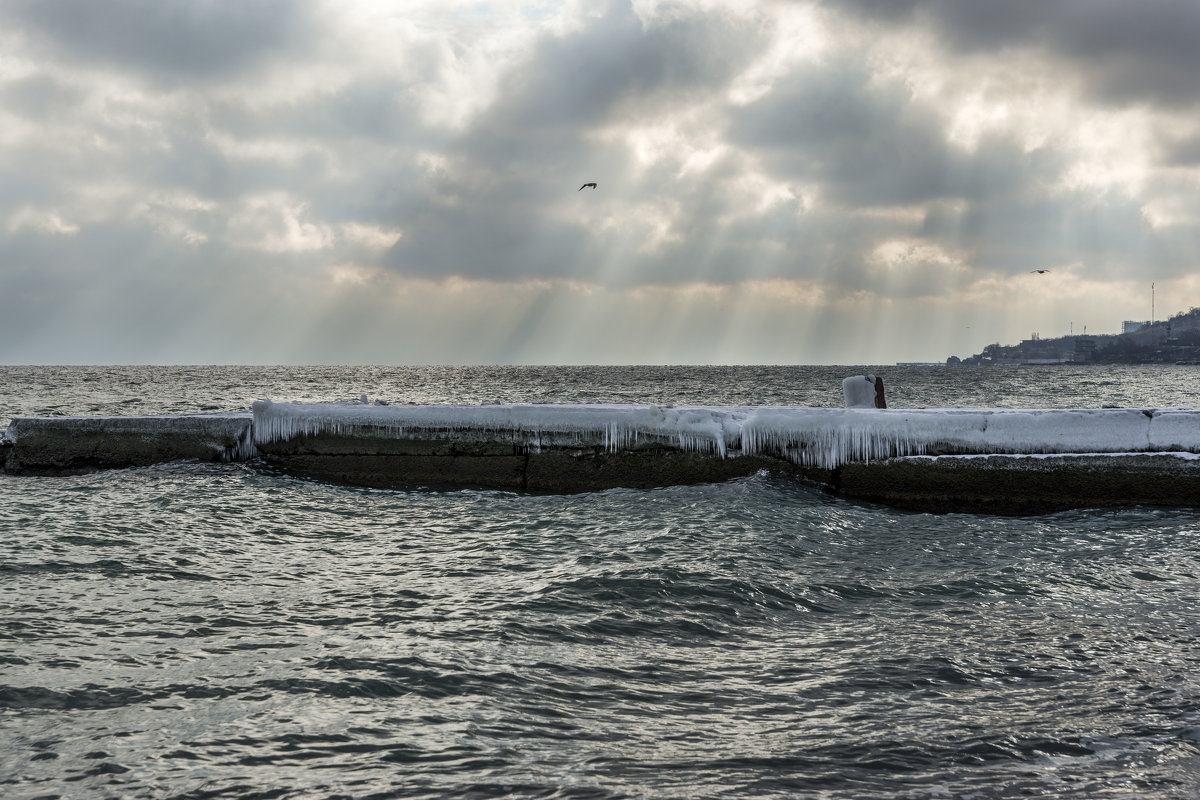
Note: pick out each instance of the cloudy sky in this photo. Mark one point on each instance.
(397, 182)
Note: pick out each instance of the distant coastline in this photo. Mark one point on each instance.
(1172, 341)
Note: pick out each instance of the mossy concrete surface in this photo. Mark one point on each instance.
(71, 445)
(442, 463)
(1014, 485)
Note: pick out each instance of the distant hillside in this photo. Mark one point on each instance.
(1175, 340)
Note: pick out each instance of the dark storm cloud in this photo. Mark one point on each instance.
(607, 74)
(21, 186)
(40, 98)
(493, 210)
(483, 218)
(861, 141)
(118, 291)
(1106, 234)
(618, 65)
(162, 41)
(491, 244)
(169, 158)
(1126, 52)
(1183, 152)
(870, 144)
(378, 108)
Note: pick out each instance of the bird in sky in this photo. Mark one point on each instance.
(1040, 271)
(586, 185)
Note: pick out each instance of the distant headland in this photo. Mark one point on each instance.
(1172, 341)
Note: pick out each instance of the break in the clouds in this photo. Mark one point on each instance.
(370, 182)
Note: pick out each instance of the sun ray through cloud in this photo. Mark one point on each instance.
(907, 164)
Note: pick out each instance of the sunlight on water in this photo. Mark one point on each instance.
(220, 631)
(58, 391)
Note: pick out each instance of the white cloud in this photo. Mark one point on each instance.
(47, 222)
(277, 224)
(372, 237)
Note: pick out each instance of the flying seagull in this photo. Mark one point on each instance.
(1040, 271)
(586, 185)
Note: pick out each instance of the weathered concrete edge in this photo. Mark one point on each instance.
(72, 445)
(999, 484)
(1024, 484)
(502, 463)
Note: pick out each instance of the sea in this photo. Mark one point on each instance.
(196, 630)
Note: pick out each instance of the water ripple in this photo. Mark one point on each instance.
(199, 630)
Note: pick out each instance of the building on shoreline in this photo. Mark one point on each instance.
(1172, 341)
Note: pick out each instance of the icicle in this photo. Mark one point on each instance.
(822, 438)
(243, 449)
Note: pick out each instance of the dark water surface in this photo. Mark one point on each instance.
(209, 631)
(122, 390)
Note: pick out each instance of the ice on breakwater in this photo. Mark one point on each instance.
(1020, 461)
(822, 438)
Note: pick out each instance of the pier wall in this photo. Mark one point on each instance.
(367, 458)
(565, 461)
(1023, 484)
(72, 445)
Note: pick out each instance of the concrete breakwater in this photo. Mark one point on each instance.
(940, 460)
(72, 445)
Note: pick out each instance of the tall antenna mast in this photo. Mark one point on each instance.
(1151, 303)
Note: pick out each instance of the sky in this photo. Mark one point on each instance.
(777, 182)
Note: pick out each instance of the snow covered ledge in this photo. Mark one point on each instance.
(993, 460)
(859, 451)
(823, 438)
(545, 448)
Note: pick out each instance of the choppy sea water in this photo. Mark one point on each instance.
(210, 631)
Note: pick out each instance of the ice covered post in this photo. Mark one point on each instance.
(864, 391)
